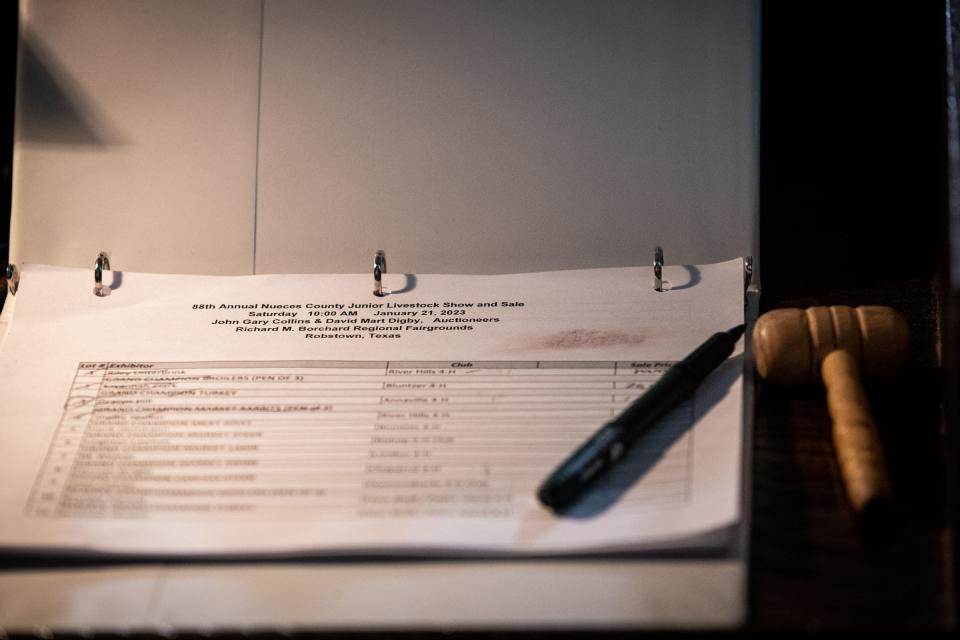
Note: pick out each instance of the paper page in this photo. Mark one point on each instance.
(412, 125)
(230, 136)
(136, 133)
(301, 414)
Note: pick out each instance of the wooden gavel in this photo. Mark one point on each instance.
(836, 345)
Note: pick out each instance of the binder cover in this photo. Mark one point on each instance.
(231, 137)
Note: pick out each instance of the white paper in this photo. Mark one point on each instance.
(283, 136)
(502, 137)
(156, 421)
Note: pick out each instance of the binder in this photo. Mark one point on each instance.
(466, 137)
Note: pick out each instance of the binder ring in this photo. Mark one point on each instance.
(658, 269)
(379, 268)
(13, 279)
(103, 262)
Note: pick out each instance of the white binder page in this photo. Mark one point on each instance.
(503, 135)
(301, 414)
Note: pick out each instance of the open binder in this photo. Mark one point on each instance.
(285, 137)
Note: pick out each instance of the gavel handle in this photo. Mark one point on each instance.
(854, 433)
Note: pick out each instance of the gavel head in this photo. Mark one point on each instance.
(790, 344)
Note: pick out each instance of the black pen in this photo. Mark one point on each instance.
(607, 445)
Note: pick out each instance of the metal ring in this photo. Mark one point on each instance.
(379, 268)
(103, 263)
(13, 279)
(658, 269)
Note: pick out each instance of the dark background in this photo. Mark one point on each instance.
(8, 74)
(852, 202)
(852, 142)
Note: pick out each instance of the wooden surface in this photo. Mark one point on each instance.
(852, 212)
(812, 567)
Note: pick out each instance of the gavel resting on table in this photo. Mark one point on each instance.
(837, 345)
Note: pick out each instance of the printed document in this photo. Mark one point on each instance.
(301, 414)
